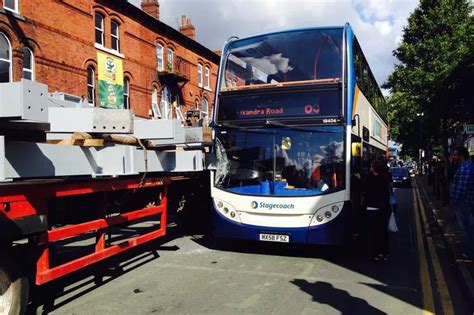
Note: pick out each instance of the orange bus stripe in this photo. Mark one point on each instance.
(356, 98)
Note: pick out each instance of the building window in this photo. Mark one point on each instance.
(11, 5)
(115, 36)
(126, 93)
(199, 75)
(204, 111)
(170, 59)
(204, 107)
(159, 57)
(207, 82)
(154, 103)
(28, 64)
(165, 103)
(99, 29)
(91, 86)
(5, 59)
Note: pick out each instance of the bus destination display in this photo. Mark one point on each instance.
(261, 106)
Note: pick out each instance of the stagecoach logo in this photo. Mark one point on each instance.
(271, 206)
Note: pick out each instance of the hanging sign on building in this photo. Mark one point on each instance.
(110, 81)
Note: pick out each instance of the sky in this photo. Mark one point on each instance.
(378, 24)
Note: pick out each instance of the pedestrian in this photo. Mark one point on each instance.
(462, 197)
(377, 205)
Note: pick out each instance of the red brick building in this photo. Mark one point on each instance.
(57, 42)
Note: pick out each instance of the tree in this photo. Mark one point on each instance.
(435, 51)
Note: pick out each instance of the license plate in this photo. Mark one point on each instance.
(274, 238)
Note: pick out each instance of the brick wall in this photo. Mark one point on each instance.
(61, 35)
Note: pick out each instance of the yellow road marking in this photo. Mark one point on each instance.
(428, 302)
(442, 288)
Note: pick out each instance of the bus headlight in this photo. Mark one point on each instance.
(226, 210)
(326, 214)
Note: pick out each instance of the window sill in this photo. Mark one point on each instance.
(109, 51)
(207, 89)
(13, 13)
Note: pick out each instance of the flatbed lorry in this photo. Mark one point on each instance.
(74, 173)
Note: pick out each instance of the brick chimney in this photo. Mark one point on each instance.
(151, 7)
(187, 27)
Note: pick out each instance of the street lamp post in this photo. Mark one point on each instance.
(420, 150)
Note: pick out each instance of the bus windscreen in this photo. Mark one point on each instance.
(301, 104)
(298, 57)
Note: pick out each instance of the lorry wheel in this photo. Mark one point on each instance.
(13, 289)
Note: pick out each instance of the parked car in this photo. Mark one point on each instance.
(400, 176)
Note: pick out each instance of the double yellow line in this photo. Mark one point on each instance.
(425, 278)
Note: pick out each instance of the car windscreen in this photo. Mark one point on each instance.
(399, 171)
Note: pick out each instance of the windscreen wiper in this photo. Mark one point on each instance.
(227, 125)
(271, 123)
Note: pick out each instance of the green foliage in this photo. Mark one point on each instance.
(436, 44)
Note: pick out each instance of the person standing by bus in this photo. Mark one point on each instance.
(462, 196)
(377, 205)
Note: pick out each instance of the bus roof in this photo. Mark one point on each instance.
(235, 38)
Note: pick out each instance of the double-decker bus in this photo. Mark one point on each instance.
(295, 125)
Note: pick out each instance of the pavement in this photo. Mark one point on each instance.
(443, 218)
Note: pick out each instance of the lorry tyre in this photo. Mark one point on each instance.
(13, 289)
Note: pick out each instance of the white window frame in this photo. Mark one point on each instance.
(207, 77)
(15, 9)
(9, 60)
(126, 93)
(199, 75)
(115, 37)
(91, 85)
(102, 29)
(32, 61)
(170, 59)
(160, 61)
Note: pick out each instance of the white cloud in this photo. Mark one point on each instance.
(384, 27)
